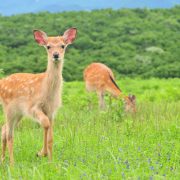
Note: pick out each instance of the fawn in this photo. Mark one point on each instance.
(35, 95)
(98, 77)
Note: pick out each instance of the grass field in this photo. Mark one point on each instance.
(93, 144)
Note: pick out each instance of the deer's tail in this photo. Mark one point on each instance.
(113, 81)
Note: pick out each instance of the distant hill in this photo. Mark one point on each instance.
(10, 7)
(134, 43)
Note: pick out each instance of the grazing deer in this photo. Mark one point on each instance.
(35, 95)
(98, 77)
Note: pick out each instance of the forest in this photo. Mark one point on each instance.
(133, 42)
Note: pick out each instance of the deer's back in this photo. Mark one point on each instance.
(20, 86)
(98, 76)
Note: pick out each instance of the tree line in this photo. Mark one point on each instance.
(133, 42)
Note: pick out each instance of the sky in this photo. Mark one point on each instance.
(11, 7)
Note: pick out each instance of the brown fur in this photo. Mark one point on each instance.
(98, 77)
(35, 95)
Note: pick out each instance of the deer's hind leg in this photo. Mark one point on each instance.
(3, 142)
(12, 117)
(101, 99)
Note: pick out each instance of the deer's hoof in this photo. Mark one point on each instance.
(2, 160)
(41, 154)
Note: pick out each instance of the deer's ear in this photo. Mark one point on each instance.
(40, 37)
(132, 97)
(70, 35)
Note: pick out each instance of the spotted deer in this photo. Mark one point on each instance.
(35, 95)
(98, 77)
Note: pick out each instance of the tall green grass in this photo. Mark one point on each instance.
(93, 144)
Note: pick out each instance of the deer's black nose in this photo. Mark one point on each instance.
(56, 55)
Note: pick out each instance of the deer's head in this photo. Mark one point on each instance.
(130, 103)
(55, 46)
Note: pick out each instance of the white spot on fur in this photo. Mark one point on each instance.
(31, 81)
(26, 89)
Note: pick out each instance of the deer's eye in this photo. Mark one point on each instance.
(48, 47)
(62, 46)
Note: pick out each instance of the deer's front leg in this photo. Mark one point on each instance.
(45, 123)
(50, 140)
(44, 151)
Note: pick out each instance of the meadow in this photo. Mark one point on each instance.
(110, 144)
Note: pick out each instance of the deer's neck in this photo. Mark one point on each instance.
(116, 92)
(53, 80)
(120, 95)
